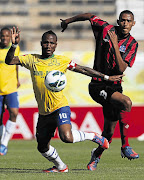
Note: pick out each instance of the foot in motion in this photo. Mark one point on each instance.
(54, 169)
(129, 153)
(102, 141)
(3, 150)
(92, 165)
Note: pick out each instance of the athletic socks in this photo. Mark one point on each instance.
(81, 136)
(53, 156)
(124, 127)
(9, 129)
(2, 131)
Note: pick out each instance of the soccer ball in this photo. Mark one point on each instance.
(55, 81)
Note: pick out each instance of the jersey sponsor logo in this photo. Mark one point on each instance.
(40, 73)
(37, 73)
(103, 93)
(122, 48)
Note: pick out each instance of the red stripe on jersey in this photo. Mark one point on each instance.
(131, 55)
(106, 29)
(130, 51)
(101, 22)
(98, 21)
(95, 19)
(106, 26)
(128, 43)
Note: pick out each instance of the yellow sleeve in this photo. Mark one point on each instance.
(17, 51)
(26, 60)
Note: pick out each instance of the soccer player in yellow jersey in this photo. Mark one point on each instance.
(8, 90)
(54, 110)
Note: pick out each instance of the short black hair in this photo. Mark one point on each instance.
(49, 32)
(126, 12)
(5, 28)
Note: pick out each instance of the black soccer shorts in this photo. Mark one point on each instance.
(101, 93)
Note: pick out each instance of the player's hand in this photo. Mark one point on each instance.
(64, 25)
(116, 78)
(113, 37)
(15, 35)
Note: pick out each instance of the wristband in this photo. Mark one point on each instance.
(14, 45)
(106, 77)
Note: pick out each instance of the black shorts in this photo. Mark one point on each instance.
(101, 93)
(47, 124)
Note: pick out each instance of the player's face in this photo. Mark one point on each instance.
(48, 44)
(126, 22)
(5, 38)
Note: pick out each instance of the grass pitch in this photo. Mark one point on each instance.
(24, 162)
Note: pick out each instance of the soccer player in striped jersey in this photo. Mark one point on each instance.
(53, 107)
(115, 51)
(9, 82)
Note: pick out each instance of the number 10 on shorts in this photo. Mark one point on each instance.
(63, 115)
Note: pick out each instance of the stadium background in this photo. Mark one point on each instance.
(34, 17)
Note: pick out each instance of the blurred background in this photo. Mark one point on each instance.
(34, 17)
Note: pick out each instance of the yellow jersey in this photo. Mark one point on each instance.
(47, 101)
(8, 75)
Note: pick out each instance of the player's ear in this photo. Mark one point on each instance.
(118, 21)
(41, 43)
(134, 22)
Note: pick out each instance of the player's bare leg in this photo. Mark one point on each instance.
(68, 135)
(125, 104)
(9, 129)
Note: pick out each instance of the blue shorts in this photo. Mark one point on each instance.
(47, 124)
(63, 115)
(11, 100)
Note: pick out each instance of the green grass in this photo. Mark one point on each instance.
(24, 162)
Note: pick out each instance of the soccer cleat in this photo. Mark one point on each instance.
(92, 165)
(54, 169)
(3, 150)
(129, 153)
(102, 141)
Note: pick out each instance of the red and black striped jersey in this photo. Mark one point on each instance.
(105, 57)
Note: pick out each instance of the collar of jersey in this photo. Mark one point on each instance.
(49, 57)
(7, 47)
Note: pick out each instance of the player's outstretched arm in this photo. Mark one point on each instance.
(93, 73)
(15, 38)
(80, 17)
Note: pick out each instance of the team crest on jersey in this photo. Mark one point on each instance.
(53, 61)
(122, 48)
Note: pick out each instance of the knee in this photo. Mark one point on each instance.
(127, 104)
(13, 114)
(66, 137)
